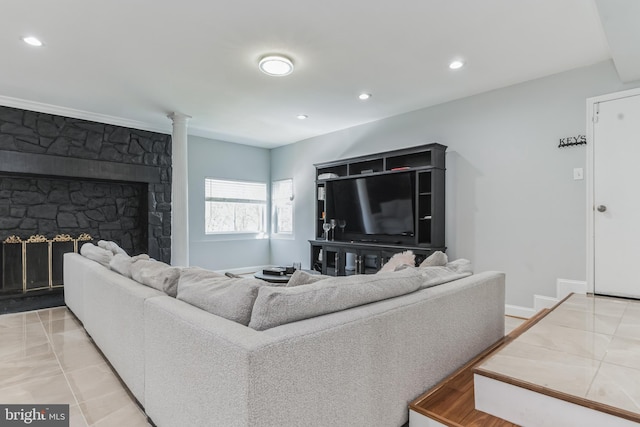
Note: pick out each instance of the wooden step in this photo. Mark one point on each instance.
(452, 402)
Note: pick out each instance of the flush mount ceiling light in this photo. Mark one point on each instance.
(33, 41)
(276, 65)
(364, 96)
(302, 116)
(454, 65)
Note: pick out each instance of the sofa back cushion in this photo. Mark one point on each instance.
(111, 247)
(437, 275)
(97, 254)
(228, 297)
(300, 277)
(121, 263)
(157, 275)
(277, 306)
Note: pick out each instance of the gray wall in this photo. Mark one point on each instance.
(512, 203)
(216, 159)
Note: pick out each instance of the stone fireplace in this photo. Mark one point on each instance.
(50, 206)
(60, 175)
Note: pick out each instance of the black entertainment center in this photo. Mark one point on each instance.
(380, 204)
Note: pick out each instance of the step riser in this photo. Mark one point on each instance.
(419, 420)
(528, 408)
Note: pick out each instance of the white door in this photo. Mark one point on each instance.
(616, 197)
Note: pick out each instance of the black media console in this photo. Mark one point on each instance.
(380, 204)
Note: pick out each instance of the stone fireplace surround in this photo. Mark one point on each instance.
(51, 206)
(65, 175)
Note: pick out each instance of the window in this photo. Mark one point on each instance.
(235, 206)
(282, 207)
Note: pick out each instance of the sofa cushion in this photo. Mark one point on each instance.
(438, 275)
(121, 263)
(461, 265)
(95, 253)
(277, 306)
(228, 297)
(300, 277)
(197, 273)
(438, 258)
(157, 275)
(111, 246)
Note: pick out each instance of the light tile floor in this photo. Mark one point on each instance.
(46, 357)
(588, 347)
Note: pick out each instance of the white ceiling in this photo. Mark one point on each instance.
(138, 60)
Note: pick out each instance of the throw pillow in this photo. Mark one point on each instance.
(111, 246)
(406, 257)
(438, 275)
(96, 253)
(156, 275)
(300, 277)
(231, 298)
(196, 273)
(437, 258)
(121, 263)
(276, 306)
(461, 265)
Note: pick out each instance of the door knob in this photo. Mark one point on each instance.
(601, 208)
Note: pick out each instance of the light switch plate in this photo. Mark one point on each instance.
(578, 174)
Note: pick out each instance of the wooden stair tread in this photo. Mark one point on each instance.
(452, 402)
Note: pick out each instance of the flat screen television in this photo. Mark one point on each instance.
(376, 208)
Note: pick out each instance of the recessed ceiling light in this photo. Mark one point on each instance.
(302, 116)
(276, 65)
(32, 41)
(364, 96)
(456, 64)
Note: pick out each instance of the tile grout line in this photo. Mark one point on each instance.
(103, 362)
(18, 358)
(23, 327)
(612, 335)
(64, 373)
(593, 379)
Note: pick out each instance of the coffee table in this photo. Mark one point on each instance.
(272, 278)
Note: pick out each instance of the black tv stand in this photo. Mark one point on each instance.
(330, 257)
(426, 164)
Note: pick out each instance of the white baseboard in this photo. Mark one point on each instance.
(565, 286)
(517, 311)
(540, 302)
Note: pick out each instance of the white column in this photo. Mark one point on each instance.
(179, 191)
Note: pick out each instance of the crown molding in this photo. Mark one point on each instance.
(41, 107)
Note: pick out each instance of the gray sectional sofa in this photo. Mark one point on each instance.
(356, 367)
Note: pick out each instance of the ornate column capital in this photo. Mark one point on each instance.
(178, 117)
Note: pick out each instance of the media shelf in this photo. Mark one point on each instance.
(425, 167)
(335, 258)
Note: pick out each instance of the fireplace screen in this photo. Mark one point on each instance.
(36, 263)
